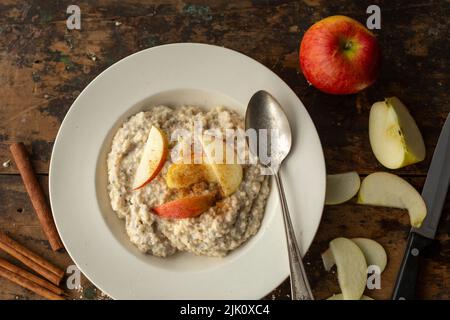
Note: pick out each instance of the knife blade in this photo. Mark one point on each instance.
(436, 185)
(434, 193)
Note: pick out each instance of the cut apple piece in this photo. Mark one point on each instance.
(187, 207)
(394, 136)
(214, 169)
(342, 187)
(328, 260)
(374, 254)
(351, 268)
(180, 175)
(228, 175)
(153, 158)
(388, 190)
(339, 296)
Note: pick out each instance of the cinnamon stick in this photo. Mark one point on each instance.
(36, 194)
(30, 259)
(28, 284)
(28, 275)
(30, 254)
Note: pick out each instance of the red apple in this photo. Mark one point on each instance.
(338, 55)
(187, 207)
(153, 158)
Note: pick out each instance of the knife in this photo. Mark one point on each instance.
(434, 193)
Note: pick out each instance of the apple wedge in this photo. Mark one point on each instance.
(153, 158)
(374, 254)
(351, 268)
(181, 175)
(388, 190)
(227, 175)
(328, 260)
(187, 207)
(339, 296)
(213, 169)
(342, 187)
(394, 136)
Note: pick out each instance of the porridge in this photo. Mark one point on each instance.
(180, 208)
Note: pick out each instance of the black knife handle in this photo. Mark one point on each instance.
(405, 286)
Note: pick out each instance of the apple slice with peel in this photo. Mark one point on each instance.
(228, 175)
(351, 268)
(374, 254)
(388, 190)
(394, 136)
(342, 187)
(187, 207)
(153, 158)
(339, 296)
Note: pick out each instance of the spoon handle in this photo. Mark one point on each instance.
(300, 289)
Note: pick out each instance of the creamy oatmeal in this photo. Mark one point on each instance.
(228, 223)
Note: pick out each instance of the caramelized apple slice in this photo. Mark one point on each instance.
(180, 175)
(214, 169)
(228, 175)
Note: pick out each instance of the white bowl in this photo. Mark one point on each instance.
(174, 75)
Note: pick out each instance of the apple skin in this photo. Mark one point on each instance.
(394, 136)
(188, 207)
(338, 55)
(158, 164)
(158, 168)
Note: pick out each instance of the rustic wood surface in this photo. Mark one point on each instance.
(44, 67)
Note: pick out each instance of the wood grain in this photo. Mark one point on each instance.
(45, 67)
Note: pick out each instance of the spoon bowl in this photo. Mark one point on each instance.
(265, 113)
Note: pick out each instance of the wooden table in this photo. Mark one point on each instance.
(44, 66)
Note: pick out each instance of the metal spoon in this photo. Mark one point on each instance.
(264, 112)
